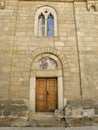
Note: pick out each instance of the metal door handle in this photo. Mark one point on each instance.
(47, 93)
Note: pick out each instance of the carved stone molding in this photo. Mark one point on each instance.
(2, 4)
(92, 5)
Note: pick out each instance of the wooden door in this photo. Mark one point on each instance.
(46, 94)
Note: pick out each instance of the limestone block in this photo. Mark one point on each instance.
(59, 115)
(2, 4)
(3, 89)
(71, 39)
(96, 111)
(88, 39)
(13, 108)
(59, 43)
(77, 111)
(63, 39)
(68, 111)
(20, 79)
(88, 112)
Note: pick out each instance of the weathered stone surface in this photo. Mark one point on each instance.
(74, 48)
(13, 108)
(81, 108)
(85, 121)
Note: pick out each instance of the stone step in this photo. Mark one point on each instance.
(22, 122)
(44, 120)
(47, 123)
(69, 122)
(42, 116)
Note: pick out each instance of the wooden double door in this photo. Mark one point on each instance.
(46, 94)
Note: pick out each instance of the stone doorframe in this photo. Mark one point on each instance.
(36, 71)
(33, 92)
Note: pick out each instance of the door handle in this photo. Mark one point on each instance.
(47, 93)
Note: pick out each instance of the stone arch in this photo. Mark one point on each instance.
(61, 56)
(37, 62)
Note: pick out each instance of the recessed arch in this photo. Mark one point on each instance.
(46, 61)
(43, 50)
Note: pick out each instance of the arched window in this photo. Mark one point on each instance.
(45, 22)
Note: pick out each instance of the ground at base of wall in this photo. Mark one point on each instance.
(69, 122)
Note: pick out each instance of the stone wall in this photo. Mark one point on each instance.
(87, 31)
(27, 46)
(7, 33)
(80, 109)
(75, 45)
(13, 108)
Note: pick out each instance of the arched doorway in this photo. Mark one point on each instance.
(46, 83)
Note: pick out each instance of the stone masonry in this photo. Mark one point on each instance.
(75, 49)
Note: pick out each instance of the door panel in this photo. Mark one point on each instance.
(46, 94)
(52, 94)
(41, 95)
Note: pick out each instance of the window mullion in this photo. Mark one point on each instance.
(45, 25)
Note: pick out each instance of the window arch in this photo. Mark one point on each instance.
(45, 22)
